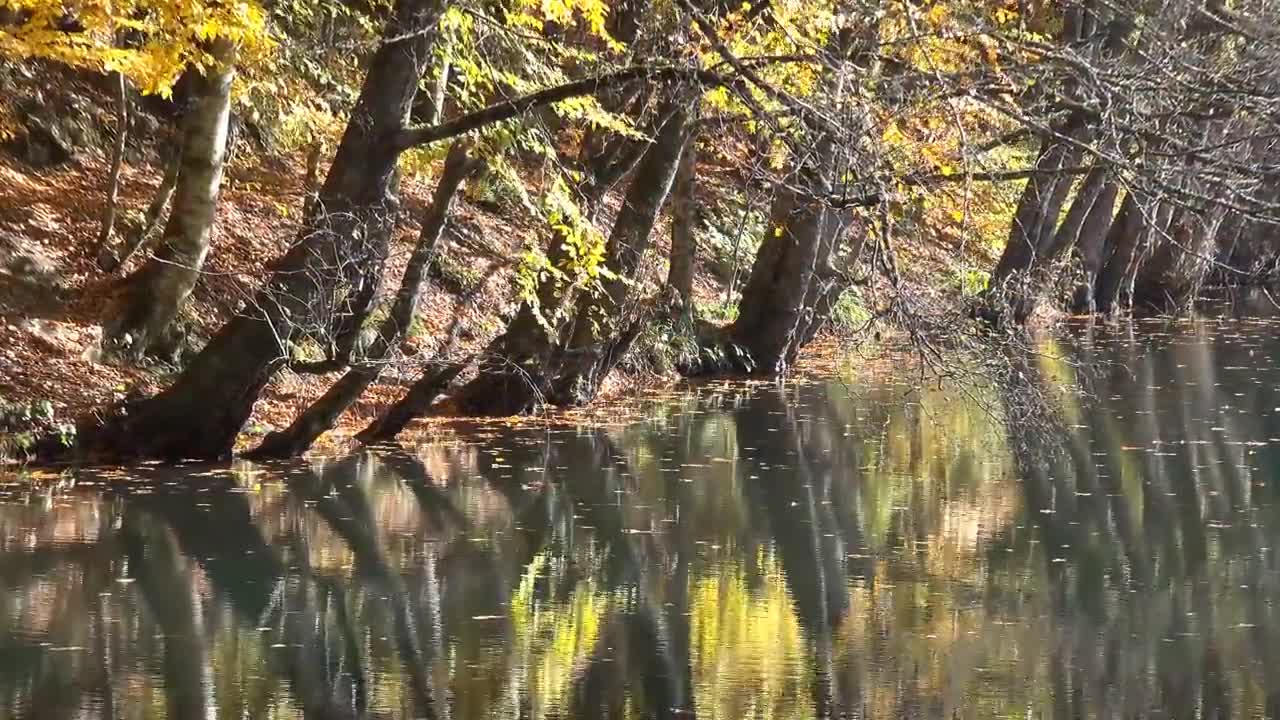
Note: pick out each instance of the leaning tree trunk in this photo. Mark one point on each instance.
(684, 224)
(323, 414)
(1180, 262)
(413, 404)
(794, 281)
(1182, 249)
(113, 176)
(201, 414)
(530, 364)
(153, 295)
(1129, 240)
(1036, 238)
(1091, 245)
(601, 332)
(1036, 217)
(773, 296)
(1087, 195)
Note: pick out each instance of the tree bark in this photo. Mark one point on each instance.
(773, 296)
(155, 210)
(156, 292)
(1068, 233)
(684, 224)
(528, 365)
(1179, 264)
(793, 283)
(1091, 245)
(113, 177)
(506, 382)
(1128, 240)
(200, 415)
(1036, 217)
(599, 329)
(414, 404)
(323, 414)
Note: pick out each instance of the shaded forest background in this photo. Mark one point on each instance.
(243, 224)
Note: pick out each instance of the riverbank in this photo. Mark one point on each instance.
(55, 298)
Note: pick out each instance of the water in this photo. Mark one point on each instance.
(739, 551)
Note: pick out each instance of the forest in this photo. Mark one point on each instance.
(950, 171)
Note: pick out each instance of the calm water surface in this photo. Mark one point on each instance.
(741, 551)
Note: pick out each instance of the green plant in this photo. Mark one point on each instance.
(664, 346)
(721, 312)
(969, 281)
(731, 237)
(849, 314)
(23, 426)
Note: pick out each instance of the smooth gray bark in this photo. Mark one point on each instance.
(157, 291)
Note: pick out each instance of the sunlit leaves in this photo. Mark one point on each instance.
(534, 14)
(148, 41)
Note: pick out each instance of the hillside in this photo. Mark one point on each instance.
(55, 298)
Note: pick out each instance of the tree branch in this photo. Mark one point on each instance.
(515, 107)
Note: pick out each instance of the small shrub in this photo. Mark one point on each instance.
(721, 312)
(969, 281)
(25, 426)
(850, 314)
(727, 229)
(664, 347)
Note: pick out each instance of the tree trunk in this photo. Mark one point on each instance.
(323, 414)
(684, 224)
(414, 404)
(527, 365)
(794, 283)
(200, 415)
(113, 177)
(1179, 263)
(600, 331)
(1069, 231)
(1036, 237)
(504, 384)
(774, 294)
(155, 210)
(1036, 218)
(1091, 245)
(156, 292)
(1128, 240)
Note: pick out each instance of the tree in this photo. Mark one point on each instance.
(327, 283)
(153, 295)
(684, 226)
(322, 414)
(333, 263)
(149, 45)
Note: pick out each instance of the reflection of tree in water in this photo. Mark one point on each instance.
(793, 488)
(1149, 526)
(764, 552)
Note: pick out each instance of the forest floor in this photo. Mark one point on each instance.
(53, 298)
